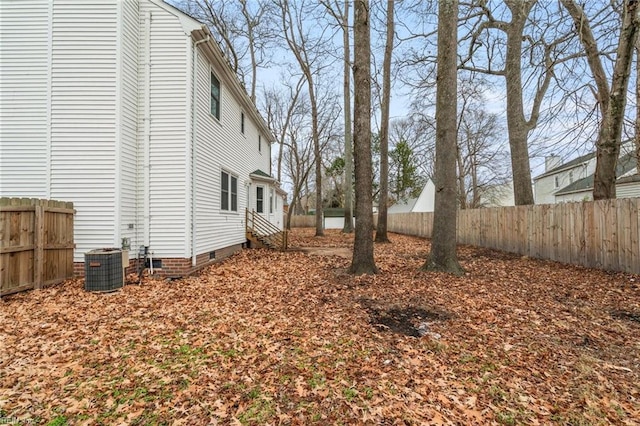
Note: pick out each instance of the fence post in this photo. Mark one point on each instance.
(38, 255)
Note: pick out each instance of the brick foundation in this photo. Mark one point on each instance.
(172, 266)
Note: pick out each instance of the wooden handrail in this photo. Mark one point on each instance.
(262, 228)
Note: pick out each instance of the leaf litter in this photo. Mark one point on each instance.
(292, 339)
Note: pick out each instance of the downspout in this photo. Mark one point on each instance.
(194, 150)
(147, 128)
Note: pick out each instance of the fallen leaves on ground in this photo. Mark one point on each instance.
(266, 337)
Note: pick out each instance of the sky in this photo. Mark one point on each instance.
(548, 139)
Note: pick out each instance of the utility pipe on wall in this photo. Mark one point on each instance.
(147, 128)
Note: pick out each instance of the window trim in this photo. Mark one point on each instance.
(271, 195)
(231, 197)
(212, 98)
(260, 201)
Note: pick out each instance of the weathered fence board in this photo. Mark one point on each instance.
(303, 221)
(599, 234)
(36, 243)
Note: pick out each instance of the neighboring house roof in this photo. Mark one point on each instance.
(568, 165)
(629, 179)
(625, 164)
(403, 206)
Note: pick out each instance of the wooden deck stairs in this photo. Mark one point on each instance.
(262, 233)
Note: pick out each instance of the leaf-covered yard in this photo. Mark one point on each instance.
(290, 338)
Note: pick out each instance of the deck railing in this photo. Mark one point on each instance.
(264, 231)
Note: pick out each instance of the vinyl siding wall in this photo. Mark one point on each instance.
(83, 117)
(628, 190)
(129, 65)
(24, 66)
(74, 107)
(545, 187)
(168, 123)
(220, 145)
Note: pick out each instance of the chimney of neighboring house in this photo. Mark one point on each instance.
(551, 162)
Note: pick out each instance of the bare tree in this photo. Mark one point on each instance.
(348, 134)
(637, 122)
(482, 162)
(477, 145)
(363, 261)
(245, 30)
(612, 100)
(381, 230)
(257, 35)
(443, 256)
(279, 111)
(297, 149)
(488, 38)
(308, 52)
(342, 17)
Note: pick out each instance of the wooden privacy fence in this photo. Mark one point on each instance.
(598, 234)
(36, 243)
(303, 221)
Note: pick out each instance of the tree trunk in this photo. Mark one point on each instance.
(252, 48)
(610, 135)
(316, 153)
(637, 124)
(443, 256)
(348, 145)
(462, 195)
(381, 230)
(363, 261)
(588, 40)
(474, 182)
(612, 101)
(518, 127)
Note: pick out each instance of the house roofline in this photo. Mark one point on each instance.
(213, 52)
(199, 31)
(561, 168)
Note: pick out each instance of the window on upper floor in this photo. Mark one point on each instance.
(242, 122)
(215, 97)
(556, 181)
(571, 176)
(259, 143)
(228, 192)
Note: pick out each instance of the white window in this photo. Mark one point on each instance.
(556, 181)
(215, 97)
(571, 176)
(228, 192)
(260, 199)
(271, 201)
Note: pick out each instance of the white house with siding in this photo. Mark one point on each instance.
(129, 109)
(423, 203)
(573, 180)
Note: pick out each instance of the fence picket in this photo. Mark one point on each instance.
(601, 234)
(36, 243)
